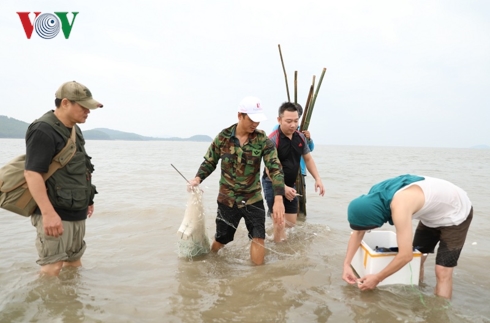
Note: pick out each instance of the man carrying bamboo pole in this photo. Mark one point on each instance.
(291, 145)
(266, 182)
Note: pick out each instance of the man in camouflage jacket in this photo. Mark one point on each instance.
(241, 148)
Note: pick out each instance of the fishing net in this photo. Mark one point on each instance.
(192, 232)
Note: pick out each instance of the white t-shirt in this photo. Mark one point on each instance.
(445, 203)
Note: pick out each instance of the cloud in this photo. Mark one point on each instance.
(172, 68)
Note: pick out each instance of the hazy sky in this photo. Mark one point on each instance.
(399, 73)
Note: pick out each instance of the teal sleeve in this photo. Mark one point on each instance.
(311, 144)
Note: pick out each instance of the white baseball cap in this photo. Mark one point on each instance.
(252, 107)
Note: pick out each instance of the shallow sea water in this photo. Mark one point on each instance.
(132, 273)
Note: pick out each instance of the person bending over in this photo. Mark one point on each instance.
(444, 212)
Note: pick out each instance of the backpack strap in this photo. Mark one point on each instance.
(64, 156)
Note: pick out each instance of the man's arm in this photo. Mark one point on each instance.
(354, 243)
(311, 166)
(41, 147)
(404, 255)
(276, 174)
(309, 140)
(311, 144)
(209, 164)
(404, 204)
(203, 172)
(51, 220)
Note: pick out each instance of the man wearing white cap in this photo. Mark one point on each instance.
(66, 198)
(241, 147)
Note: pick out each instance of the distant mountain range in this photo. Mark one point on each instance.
(13, 128)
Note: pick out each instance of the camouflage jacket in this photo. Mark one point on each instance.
(240, 166)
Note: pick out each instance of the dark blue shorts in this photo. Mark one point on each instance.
(289, 206)
(268, 193)
(228, 218)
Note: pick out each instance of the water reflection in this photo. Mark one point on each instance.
(47, 299)
(226, 287)
(399, 303)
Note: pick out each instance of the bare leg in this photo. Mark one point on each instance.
(444, 286)
(290, 219)
(52, 269)
(216, 246)
(257, 251)
(76, 263)
(279, 232)
(422, 262)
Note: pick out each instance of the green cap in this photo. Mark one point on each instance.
(79, 93)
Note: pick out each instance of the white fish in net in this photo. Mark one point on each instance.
(192, 232)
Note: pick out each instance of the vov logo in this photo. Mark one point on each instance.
(47, 25)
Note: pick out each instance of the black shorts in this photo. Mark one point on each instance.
(228, 218)
(451, 241)
(290, 206)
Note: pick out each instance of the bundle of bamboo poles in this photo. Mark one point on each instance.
(305, 122)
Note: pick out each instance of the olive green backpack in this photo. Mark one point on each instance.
(14, 193)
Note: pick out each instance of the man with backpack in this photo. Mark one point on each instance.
(291, 145)
(66, 198)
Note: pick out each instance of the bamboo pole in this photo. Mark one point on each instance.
(300, 183)
(284, 70)
(307, 105)
(300, 188)
(312, 104)
(318, 86)
(295, 86)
